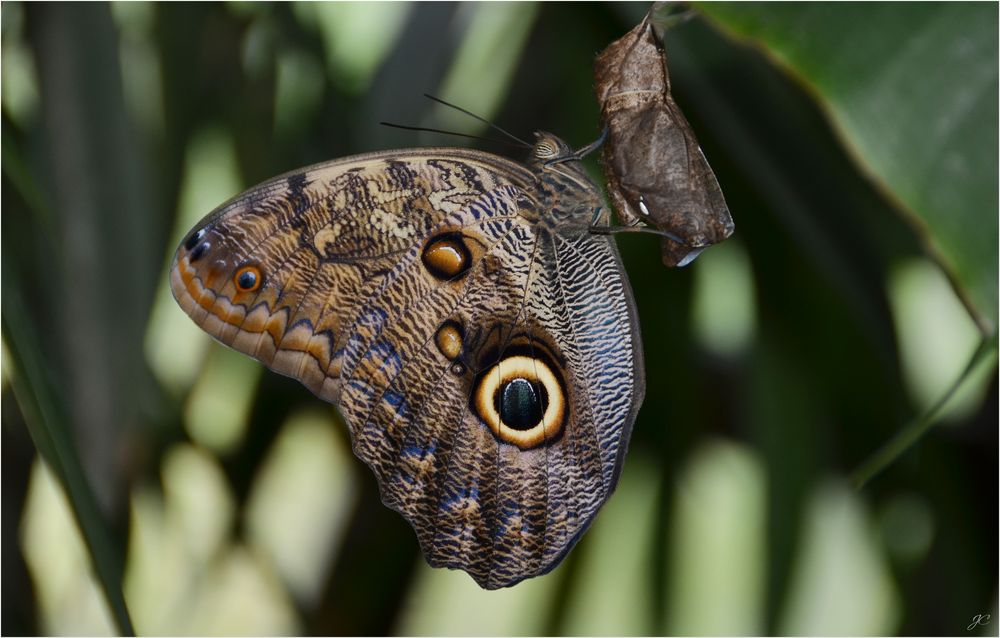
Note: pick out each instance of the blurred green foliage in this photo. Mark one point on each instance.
(224, 499)
(916, 105)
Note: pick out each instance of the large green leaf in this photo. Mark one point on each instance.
(912, 89)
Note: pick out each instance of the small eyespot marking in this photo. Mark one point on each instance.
(199, 251)
(448, 339)
(193, 240)
(446, 256)
(247, 279)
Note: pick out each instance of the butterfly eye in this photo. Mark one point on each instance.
(546, 149)
(247, 279)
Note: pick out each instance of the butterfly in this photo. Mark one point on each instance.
(480, 342)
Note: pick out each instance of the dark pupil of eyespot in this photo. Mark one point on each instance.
(247, 280)
(521, 404)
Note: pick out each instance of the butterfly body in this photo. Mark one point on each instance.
(481, 344)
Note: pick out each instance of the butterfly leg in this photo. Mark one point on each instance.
(583, 152)
(634, 228)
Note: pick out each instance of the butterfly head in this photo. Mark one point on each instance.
(569, 193)
(548, 149)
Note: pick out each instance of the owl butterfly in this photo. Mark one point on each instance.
(656, 171)
(482, 345)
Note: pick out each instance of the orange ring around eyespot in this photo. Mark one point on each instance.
(551, 423)
(253, 270)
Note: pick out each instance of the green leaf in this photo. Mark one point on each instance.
(48, 424)
(903, 440)
(912, 90)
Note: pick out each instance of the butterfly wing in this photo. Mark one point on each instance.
(509, 511)
(488, 368)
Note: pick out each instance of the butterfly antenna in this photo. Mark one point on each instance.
(443, 132)
(481, 119)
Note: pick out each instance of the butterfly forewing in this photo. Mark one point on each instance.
(485, 357)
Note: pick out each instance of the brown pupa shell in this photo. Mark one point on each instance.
(655, 169)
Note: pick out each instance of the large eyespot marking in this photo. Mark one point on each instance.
(521, 399)
(247, 279)
(448, 339)
(446, 256)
